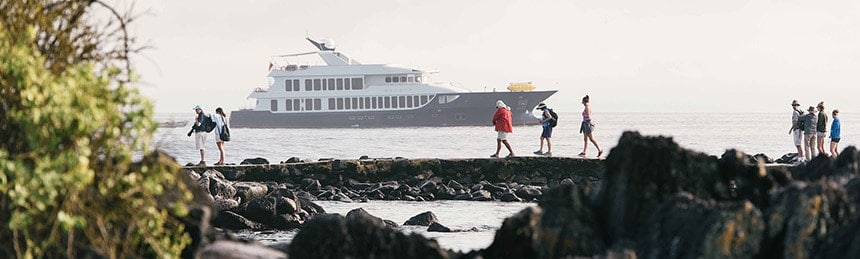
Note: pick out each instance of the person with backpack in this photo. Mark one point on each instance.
(548, 120)
(200, 128)
(222, 132)
(796, 130)
(810, 123)
(835, 131)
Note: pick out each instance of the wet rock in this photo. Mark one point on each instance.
(255, 161)
(510, 197)
(225, 204)
(568, 225)
(761, 157)
(529, 192)
(334, 236)
(444, 192)
(214, 182)
(456, 185)
(423, 219)
(482, 195)
(463, 197)
(436, 227)
(428, 187)
(233, 221)
(293, 160)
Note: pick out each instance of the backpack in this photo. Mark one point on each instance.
(800, 121)
(554, 120)
(208, 124)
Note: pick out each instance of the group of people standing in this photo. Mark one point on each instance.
(809, 131)
(503, 125)
(200, 132)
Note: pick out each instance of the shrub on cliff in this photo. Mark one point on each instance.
(70, 123)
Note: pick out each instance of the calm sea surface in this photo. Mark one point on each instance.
(710, 133)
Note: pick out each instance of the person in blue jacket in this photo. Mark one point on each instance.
(835, 131)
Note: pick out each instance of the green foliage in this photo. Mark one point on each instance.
(67, 138)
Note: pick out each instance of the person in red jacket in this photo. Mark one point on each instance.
(502, 121)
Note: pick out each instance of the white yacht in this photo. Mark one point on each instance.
(345, 93)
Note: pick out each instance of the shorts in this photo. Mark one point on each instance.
(546, 133)
(822, 134)
(586, 127)
(835, 140)
(798, 137)
(502, 135)
(200, 140)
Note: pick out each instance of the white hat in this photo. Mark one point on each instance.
(541, 106)
(500, 104)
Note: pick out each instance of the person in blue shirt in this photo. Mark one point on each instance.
(835, 131)
(546, 133)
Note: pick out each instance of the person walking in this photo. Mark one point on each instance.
(199, 133)
(220, 122)
(796, 131)
(835, 134)
(503, 123)
(546, 122)
(810, 122)
(821, 128)
(587, 128)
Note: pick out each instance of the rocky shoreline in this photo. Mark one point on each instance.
(649, 198)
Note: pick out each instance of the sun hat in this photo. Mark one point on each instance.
(541, 106)
(500, 104)
(795, 103)
(811, 109)
(198, 107)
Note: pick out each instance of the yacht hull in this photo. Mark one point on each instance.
(468, 109)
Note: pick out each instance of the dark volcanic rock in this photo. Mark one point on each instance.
(436, 227)
(517, 235)
(233, 221)
(568, 226)
(255, 161)
(423, 219)
(360, 236)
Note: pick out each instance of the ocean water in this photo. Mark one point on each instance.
(710, 133)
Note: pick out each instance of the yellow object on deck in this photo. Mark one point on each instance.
(521, 87)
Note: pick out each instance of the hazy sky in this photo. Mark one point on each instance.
(641, 56)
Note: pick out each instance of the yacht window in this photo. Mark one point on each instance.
(317, 104)
(410, 79)
(409, 102)
(288, 85)
(308, 85)
(373, 102)
(388, 79)
(346, 103)
(423, 99)
(367, 102)
(387, 102)
(354, 103)
(340, 103)
(274, 105)
(346, 84)
(394, 102)
(380, 100)
(340, 84)
(402, 101)
(309, 104)
(297, 105)
(324, 85)
(288, 105)
(418, 79)
(317, 84)
(357, 83)
(331, 84)
(415, 100)
(403, 79)
(396, 79)
(330, 102)
(361, 103)
(295, 85)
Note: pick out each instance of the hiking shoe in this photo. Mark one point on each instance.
(547, 153)
(202, 163)
(510, 155)
(538, 152)
(494, 156)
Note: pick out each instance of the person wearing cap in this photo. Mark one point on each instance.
(796, 131)
(810, 122)
(835, 131)
(546, 133)
(199, 133)
(504, 126)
